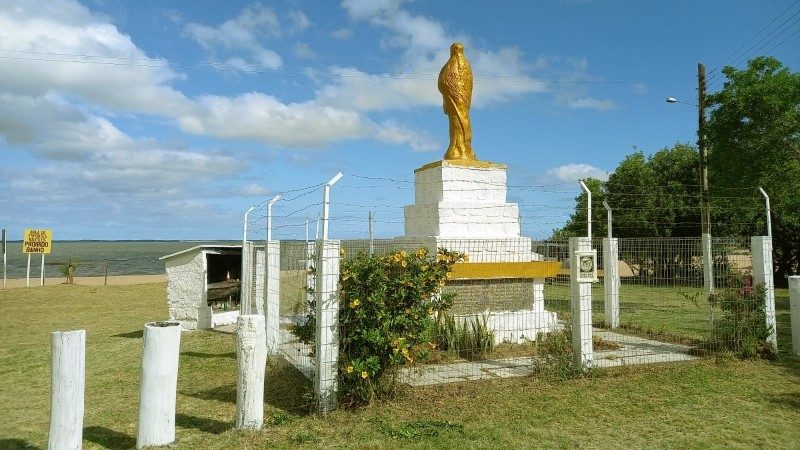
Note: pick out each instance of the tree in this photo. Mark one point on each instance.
(754, 137)
(651, 197)
(656, 196)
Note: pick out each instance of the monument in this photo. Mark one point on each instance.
(460, 204)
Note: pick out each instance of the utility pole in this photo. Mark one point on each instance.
(705, 217)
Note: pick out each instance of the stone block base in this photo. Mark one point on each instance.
(515, 327)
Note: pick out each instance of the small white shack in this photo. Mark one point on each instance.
(203, 284)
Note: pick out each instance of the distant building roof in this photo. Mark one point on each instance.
(209, 247)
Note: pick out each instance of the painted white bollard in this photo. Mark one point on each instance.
(581, 307)
(611, 282)
(158, 388)
(251, 360)
(794, 304)
(272, 285)
(67, 381)
(761, 249)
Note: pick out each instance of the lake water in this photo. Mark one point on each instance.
(123, 257)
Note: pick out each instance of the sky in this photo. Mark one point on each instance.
(168, 120)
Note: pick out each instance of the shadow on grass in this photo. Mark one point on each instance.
(202, 424)
(130, 335)
(108, 438)
(209, 355)
(786, 400)
(786, 358)
(14, 444)
(287, 388)
(226, 393)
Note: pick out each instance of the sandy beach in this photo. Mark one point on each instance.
(116, 280)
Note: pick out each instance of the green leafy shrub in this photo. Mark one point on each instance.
(68, 269)
(743, 327)
(470, 339)
(386, 317)
(554, 356)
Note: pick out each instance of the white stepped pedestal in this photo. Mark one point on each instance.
(453, 200)
(462, 207)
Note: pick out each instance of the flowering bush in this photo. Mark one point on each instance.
(743, 328)
(386, 319)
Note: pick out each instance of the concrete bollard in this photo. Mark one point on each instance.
(251, 360)
(794, 302)
(158, 388)
(67, 381)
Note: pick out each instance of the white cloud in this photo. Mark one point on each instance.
(303, 51)
(254, 190)
(362, 9)
(394, 133)
(341, 33)
(116, 75)
(299, 20)
(263, 117)
(591, 103)
(575, 172)
(639, 88)
(424, 43)
(245, 33)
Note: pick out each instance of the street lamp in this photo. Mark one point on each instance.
(705, 217)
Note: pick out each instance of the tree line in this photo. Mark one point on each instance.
(753, 138)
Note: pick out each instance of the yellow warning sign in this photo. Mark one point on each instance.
(37, 241)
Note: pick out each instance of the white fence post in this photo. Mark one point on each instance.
(260, 281)
(327, 333)
(246, 288)
(158, 388)
(67, 381)
(794, 302)
(611, 281)
(581, 307)
(708, 264)
(272, 284)
(761, 249)
(251, 360)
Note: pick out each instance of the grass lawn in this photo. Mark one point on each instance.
(701, 404)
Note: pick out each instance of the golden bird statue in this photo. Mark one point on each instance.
(455, 84)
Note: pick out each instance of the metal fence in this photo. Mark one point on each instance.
(519, 309)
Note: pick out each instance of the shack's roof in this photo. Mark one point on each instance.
(211, 248)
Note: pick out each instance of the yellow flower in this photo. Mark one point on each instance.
(403, 254)
(349, 369)
(364, 375)
(403, 263)
(355, 303)
(341, 252)
(405, 351)
(423, 252)
(430, 311)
